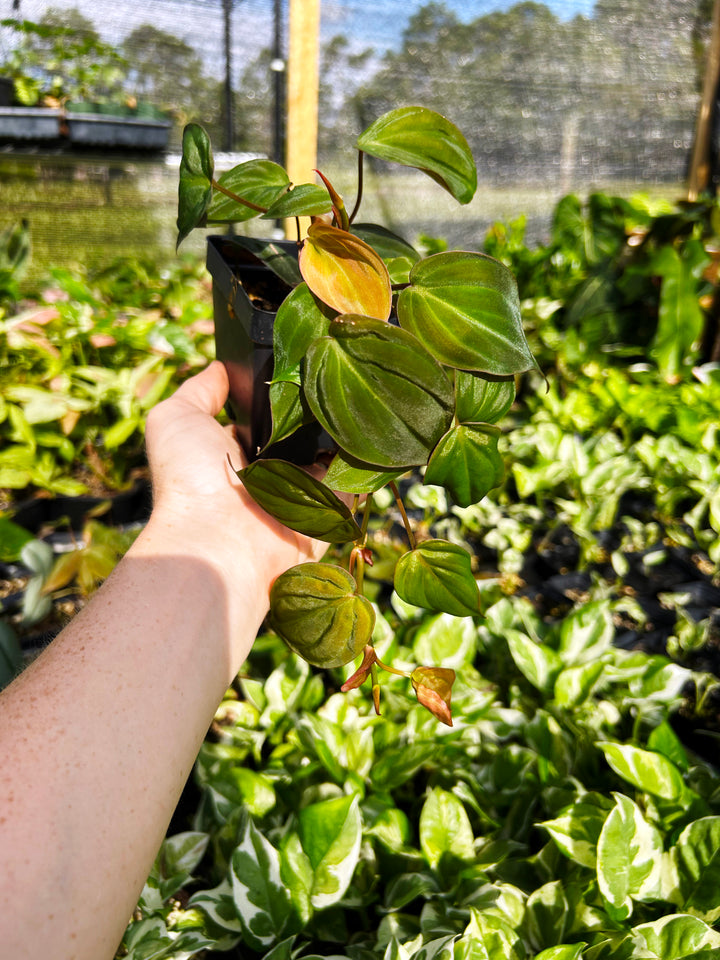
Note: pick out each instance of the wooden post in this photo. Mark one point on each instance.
(700, 172)
(302, 94)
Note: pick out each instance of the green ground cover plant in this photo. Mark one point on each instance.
(560, 817)
(572, 811)
(80, 366)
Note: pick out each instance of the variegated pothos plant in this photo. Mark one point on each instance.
(406, 362)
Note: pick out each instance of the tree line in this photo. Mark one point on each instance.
(608, 96)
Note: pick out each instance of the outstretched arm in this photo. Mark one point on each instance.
(99, 734)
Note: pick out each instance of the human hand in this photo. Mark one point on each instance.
(198, 495)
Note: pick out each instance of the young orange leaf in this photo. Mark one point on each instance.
(433, 686)
(345, 272)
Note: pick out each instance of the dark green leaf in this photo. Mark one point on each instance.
(349, 475)
(287, 410)
(482, 401)
(384, 242)
(418, 137)
(301, 319)
(438, 575)
(11, 657)
(316, 611)
(195, 185)
(377, 392)
(299, 501)
(464, 308)
(680, 322)
(258, 181)
(467, 463)
(304, 200)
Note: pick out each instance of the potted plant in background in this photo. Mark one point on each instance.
(66, 84)
(399, 362)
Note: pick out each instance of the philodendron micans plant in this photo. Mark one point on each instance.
(406, 362)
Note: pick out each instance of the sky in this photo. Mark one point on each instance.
(375, 23)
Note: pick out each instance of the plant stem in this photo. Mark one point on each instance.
(401, 507)
(361, 177)
(388, 669)
(236, 198)
(366, 518)
(359, 570)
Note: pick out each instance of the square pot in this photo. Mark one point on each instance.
(246, 297)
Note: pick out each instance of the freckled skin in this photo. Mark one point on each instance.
(89, 778)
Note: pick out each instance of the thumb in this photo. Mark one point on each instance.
(207, 391)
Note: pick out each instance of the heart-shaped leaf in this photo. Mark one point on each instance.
(195, 186)
(383, 241)
(316, 611)
(377, 392)
(299, 501)
(478, 400)
(300, 320)
(418, 137)
(260, 182)
(464, 307)
(467, 463)
(346, 273)
(288, 411)
(438, 575)
(304, 200)
(349, 475)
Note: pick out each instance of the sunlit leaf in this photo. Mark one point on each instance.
(650, 772)
(345, 273)
(315, 609)
(438, 575)
(577, 830)
(467, 463)
(195, 185)
(539, 663)
(433, 687)
(464, 308)
(445, 828)
(676, 937)
(303, 200)
(629, 857)
(482, 401)
(697, 857)
(260, 896)
(258, 181)
(377, 392)
(299, 501)
(418, 137)
(330, 833)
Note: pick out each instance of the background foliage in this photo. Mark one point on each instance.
(572, 810)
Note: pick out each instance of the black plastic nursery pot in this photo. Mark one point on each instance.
(246, 297)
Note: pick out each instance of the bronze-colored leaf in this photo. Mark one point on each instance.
(345, 272)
